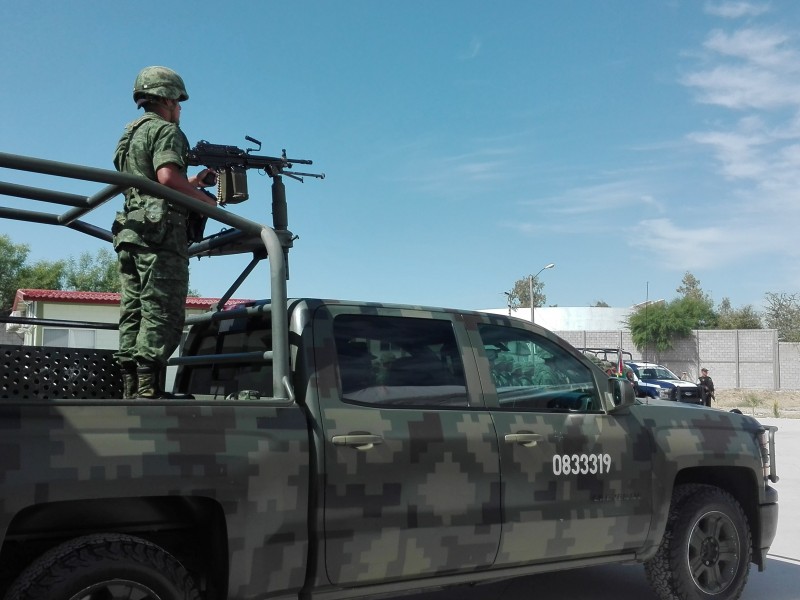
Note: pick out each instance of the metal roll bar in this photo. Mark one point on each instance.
(246, 237)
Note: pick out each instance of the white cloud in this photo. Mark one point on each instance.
(751, 74)
(754, 71)
(764, 47)
(743, 87)
(736, 10)
(718, 242)
(607, 197)
(739, 153)
(752, 68)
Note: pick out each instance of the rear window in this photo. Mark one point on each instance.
(246, 377)
(399, 361)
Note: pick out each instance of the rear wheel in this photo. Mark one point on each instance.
(105, 567)
(706, 549)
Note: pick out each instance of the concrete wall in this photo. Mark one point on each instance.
(789, 362)
(737, 358)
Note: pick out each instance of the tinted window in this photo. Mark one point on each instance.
(249, 378)
(530, 371)
(399, 361)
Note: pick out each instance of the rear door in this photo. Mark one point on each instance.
(576, 481)
(412, 481)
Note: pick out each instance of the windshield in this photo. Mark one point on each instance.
(657, 373)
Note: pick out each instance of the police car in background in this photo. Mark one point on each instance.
(657, 381)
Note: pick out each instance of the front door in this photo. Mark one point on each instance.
(576, 481)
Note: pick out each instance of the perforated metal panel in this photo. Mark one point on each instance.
(46, 373)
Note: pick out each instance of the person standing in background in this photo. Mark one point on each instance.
(706, 386)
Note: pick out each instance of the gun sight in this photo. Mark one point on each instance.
(253, 140)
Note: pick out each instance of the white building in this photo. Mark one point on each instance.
(92, 307)
(572, 318)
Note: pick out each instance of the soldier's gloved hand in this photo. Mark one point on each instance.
(206, 178)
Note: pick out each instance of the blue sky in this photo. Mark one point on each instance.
(466, 143)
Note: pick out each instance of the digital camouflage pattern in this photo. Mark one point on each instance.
(150, 240)
(161, 82)
(354, 498)
(252, 461)
(152, 304)
(449, 492)
(146, 145)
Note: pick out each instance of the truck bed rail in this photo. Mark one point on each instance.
(246, 236)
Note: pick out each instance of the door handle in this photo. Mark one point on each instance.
(357, 441)
(527, 439)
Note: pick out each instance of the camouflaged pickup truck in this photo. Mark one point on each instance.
(330, 449)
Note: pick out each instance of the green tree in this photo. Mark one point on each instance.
(658, 325)
(43, 275)
(90, 273)
(696, 313)
(782, 312)
(694, 306)
(601, 304)
(737, 318)
(650, 328)
(87, 273)
(520, 294)
(12, 260)
(690, 288)
(16, 273)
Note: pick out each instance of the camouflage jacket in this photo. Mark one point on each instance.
(148, 144)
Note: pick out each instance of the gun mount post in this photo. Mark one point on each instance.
(280, 217)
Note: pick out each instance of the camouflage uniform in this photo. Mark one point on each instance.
(150, 240)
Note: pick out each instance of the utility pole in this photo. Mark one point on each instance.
(530, 284)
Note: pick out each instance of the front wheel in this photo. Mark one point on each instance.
(105, 567)
(706, 549)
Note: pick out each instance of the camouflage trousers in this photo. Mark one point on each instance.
(152, 304)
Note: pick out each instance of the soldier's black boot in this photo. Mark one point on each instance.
(149, 382)
(130, 381)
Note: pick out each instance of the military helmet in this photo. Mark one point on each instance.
(158, 81)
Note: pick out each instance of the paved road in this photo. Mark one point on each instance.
(780, 580)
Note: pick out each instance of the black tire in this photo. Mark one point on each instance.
(104, 567)
(706, 550)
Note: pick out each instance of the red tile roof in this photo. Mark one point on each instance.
(28, 295)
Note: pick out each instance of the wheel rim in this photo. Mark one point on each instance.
(714, 552)
(116, 589)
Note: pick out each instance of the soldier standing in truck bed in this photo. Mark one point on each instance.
(150, 233)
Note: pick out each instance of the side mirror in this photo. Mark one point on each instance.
(621, 392)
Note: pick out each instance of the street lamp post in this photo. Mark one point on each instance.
(530, 284)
